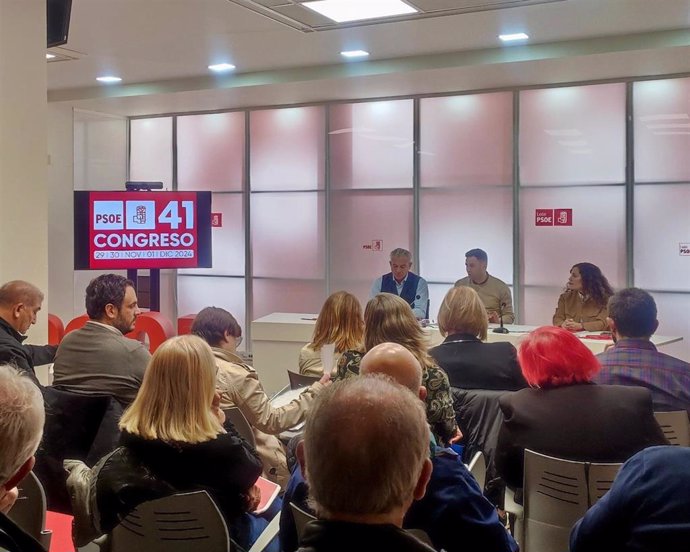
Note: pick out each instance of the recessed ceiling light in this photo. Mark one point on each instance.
(108, 79)
(342, 11)
(514, 36)
(221, 67)
(354, 53)
(50, 56)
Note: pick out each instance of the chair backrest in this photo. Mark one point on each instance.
(555, 496)
(477, 467)
(234, 416)
(179, 522)
(676, 427)
(73, 424)
(29, 511)
(301, 519)
(600, 478)
(298, 381)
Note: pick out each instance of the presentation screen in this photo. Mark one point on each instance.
(121, 230)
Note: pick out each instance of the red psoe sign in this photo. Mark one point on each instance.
(543, 217)
(563, 217)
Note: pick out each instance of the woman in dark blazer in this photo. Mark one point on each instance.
(470, 363)
(567, 416)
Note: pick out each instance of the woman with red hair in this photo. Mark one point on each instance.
(564, 414)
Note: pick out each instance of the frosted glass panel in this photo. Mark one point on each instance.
(662, 130)
(287, 148)
(672, 313)
(210, 152)
(228, 239)
(288, 235)
(452, 223)
(196, 292)
(287, 296)
(365, 228)
(371, 144)
(539, 304)
(466, 140)
(436, 294)
(100, 152)
(573, 135)
(662, 224)
(597, 234)
(150, 156)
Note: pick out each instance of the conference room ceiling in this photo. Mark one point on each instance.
(165, 46)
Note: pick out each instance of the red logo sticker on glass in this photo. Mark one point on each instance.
(543, 217)
(563, 217)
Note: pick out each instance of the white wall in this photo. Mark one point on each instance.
(23, 190)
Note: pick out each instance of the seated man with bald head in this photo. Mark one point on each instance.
(20, 302)
(453, 512)
(366, 455)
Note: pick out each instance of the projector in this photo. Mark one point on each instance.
(132, 186)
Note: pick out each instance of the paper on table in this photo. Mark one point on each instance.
(327, 357)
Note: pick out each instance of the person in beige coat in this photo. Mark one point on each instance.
(239, 386)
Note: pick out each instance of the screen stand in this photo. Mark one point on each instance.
(154, 283)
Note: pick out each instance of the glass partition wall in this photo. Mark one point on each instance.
(313, 198)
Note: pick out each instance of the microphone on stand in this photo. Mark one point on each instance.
(501, 329)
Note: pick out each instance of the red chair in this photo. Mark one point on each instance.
(157, 327)
(56, 330)
(184, 324)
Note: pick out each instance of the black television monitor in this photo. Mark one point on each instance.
(126, 230)
(57, 21)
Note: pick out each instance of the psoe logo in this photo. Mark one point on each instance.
(108, 215)
(141, 215)
(684, 249)
(543, 217)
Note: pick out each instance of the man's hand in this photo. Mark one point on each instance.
(493, 317)
(325, 379)
(253, 498)
(8, 499)
(215, 408)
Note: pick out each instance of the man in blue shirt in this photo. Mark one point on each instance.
(400, 281)
(646, 509)
(453, 512)
(634, 360)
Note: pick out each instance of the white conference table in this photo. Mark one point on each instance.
(278, 337)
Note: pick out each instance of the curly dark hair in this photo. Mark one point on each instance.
(104, 290)
(594, 283)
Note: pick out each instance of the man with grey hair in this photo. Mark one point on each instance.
(21, 426)
(400, 281)
(366, 453)
(453, 504)
(20, 302)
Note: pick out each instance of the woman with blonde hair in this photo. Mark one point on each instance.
(173, 441)
(340, 323)
(388, 318)
(470, 363)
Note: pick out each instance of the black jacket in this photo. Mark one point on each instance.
(341, 536)
(583, 422)
(471, 364)
(142, 469)
(24, 357)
